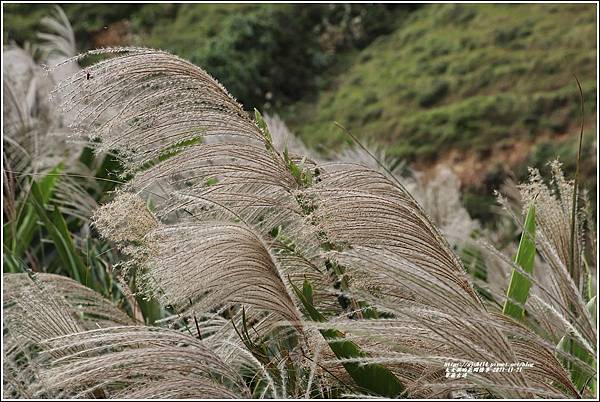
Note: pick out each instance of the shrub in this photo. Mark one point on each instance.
(433, 93)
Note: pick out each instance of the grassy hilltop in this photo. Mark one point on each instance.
(463, 77)
(483, 88)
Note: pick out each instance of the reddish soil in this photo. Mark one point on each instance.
(471, 167)
(115, 34)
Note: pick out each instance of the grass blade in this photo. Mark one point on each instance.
(61, 237)
(592, 382)
(27, 221)
(518, 289)
(580, 377)
(575, 186)
(371, 377)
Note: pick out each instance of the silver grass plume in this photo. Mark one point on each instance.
(139, 362)
(34, 134)
(417, 275)
(440, 197)
(283, 138)
(58, 38)
(563, 290)
(558, 306)
(215, 172)
(57, 334)
(41, 307)
(553, 218)
(362, 207)
(430, 297)
(249, 180)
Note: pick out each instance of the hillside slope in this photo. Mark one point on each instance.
(486, 89)
(480, 85)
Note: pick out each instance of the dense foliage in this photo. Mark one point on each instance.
(262, 53)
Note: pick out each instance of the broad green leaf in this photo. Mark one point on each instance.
(27, 220)
(518, 289)
(373, 377)
(56, 227)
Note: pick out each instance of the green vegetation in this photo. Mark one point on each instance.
(493, 83)
(22, 21)
(55, 223)
(464, 76)
(236, 43)
(18, 237)
(268, 55)
(420, 80)
(375, 378)
(518, 289)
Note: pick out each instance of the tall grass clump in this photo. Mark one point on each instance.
(38, 153)
(283, 276)
(52, 181)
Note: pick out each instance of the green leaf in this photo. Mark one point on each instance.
(11, 263)
(211, 181)
(312, 312)
(580, 376)
(373, 377)
(302, 176)
(87, 156)
(171, 151)
(590, 288)
(56, 227)
(105, 174)
(572, 238)
(591, 307)
(307, 291)
(27, 220)
(518, 289)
